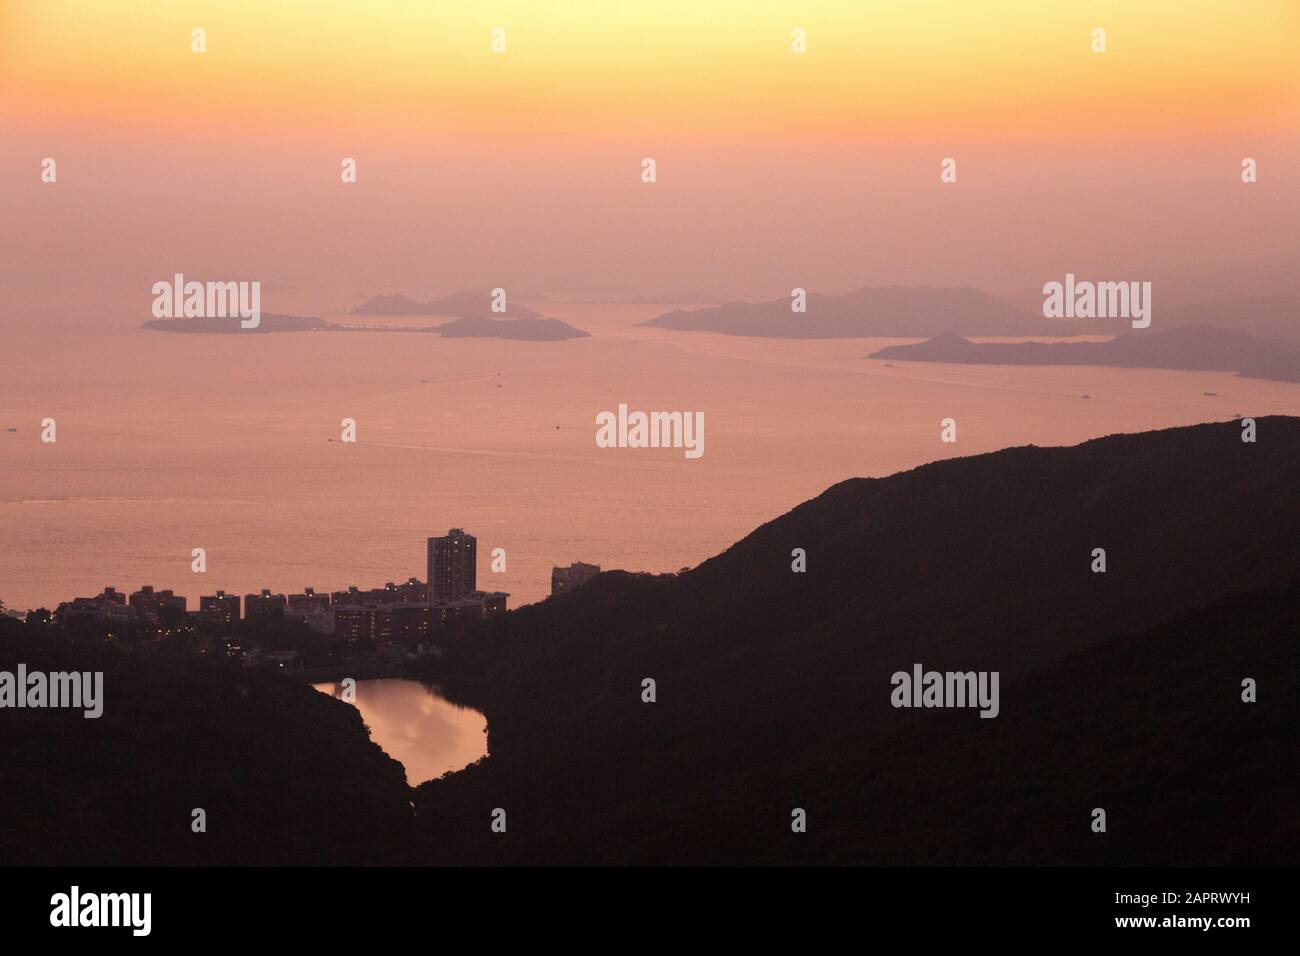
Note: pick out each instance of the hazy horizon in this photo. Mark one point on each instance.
(522, 169)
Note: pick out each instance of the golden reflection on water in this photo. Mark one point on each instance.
(416, 726)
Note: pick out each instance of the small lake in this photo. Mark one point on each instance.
(417, 726)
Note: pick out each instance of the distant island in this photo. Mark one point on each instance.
(1190, 347)
(530, 329)
(269, 323)
(884, 312)
(468, 302)
(474, 326)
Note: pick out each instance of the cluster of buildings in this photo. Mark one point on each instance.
(446, 599)
(112, 605)
(395, 612)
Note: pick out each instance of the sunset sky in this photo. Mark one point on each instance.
(522, 169)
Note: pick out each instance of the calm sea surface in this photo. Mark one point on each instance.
(230, 443)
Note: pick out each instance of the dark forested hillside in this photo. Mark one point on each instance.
(1119, 690)
(284, 773)
(773, 687)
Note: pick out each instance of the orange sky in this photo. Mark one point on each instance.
(776, 168)
(918, 68)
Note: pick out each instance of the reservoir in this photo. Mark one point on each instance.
(417, 726)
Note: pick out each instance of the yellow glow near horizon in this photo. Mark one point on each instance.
(699, 67)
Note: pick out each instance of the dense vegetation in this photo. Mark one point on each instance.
(1119, 690)
(285, 774)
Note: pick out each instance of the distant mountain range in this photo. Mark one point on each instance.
(892, 311)
(524, 329)
(1192, 347)
(702, 298)
(465, 303)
